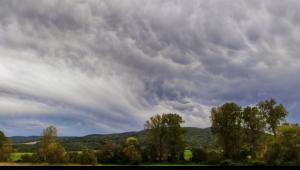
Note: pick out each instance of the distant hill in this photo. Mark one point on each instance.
(24, 139)
(195, 137)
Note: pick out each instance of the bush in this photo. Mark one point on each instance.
(292, 163)
(110, 154)
(54, 153)
(132, 155)
(226, 162)
(131, 152)
(73, 157)
(214, 157)
(256, 163)
(101, 157)
(199, 155)
(36, 158)
(187, 155)
(88, 157)
(26, 158)
(145, 155)
(5, 151)
(284, 149)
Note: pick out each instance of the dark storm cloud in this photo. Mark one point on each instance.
(102, 66)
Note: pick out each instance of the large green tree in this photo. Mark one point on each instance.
(156, 131)
(132, 152)
(50, 150)
(284, 149)
(226, 125)
(2, 139)
(174, 136)
(274, 113)
(253, 128)
(165, 136)
(5, 148)
(87, 157)
(110, 154)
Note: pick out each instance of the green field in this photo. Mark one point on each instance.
(17, 156)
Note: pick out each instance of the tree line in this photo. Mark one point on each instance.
(253, 135)
(256, 133)
(170, 136)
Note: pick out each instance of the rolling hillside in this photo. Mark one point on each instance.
(195, 137)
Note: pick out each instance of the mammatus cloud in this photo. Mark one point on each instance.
(102, 66)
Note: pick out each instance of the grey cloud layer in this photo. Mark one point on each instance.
(102, 66)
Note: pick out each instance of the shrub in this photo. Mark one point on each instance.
(73, 157)
(101, 157)
(110, 154)
(88, 157)
(131, 152)
(146, 157)
(292, 163)
(54, 153)
(132, 155)
(26, 158)
(36, 158)
(187, 155)
(214, 157)
(284, 148)
(256, 163)
(226, 162)
(5, 151)
(199, 155)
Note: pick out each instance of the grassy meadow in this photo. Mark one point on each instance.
(15, 157)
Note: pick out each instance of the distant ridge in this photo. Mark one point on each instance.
(195, 137)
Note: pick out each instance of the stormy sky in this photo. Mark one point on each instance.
(106, 66)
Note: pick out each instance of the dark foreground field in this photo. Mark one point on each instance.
(15, 157)
(45, 164)
(19, 164)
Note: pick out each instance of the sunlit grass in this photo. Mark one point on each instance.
(17, 156)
